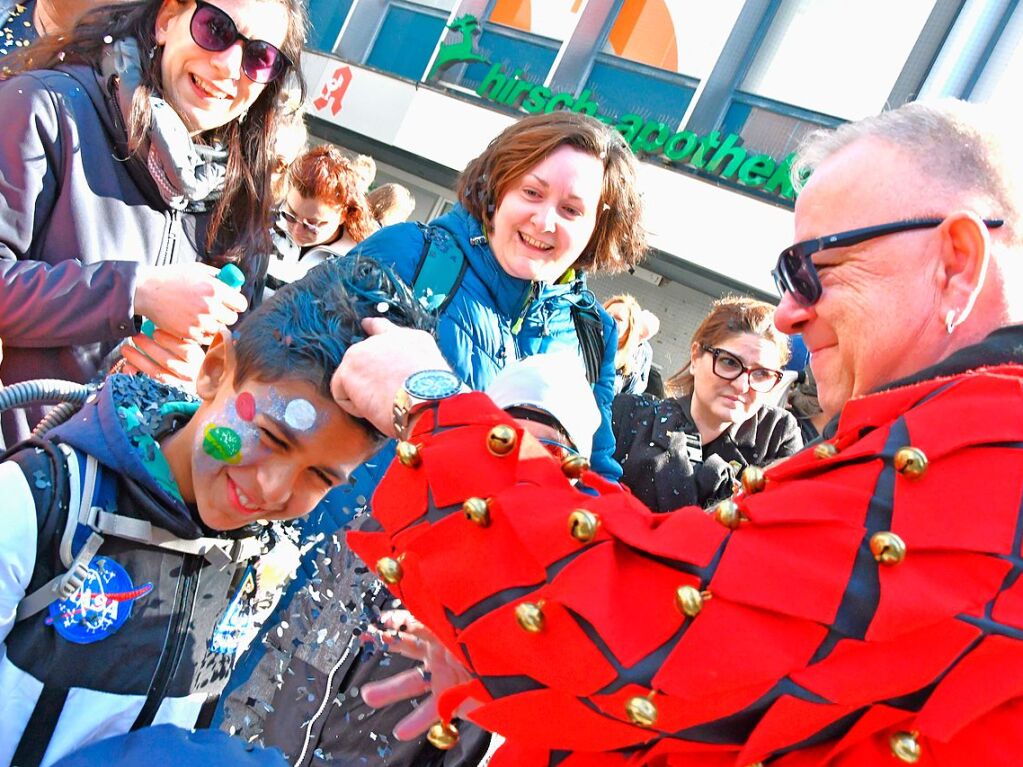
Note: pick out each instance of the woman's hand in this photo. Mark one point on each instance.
(164, 357)
(187, 300)
(440, 671)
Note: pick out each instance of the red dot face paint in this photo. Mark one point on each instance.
(245, 406)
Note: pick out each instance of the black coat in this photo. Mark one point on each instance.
(651, 447)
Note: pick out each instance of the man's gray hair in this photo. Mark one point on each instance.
(958, 145)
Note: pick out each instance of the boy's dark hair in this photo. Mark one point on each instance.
(304, 330)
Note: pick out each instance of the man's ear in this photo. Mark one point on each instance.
(965, 256)
(218, 366)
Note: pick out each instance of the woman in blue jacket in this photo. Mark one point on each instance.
(551, 196)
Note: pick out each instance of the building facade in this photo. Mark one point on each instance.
(712, 96)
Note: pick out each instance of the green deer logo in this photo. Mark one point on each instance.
(461, 51)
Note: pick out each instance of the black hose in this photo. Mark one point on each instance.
(55, 418)
(43, 391)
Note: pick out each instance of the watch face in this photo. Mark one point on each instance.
(433, 384)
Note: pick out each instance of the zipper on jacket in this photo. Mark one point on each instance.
(534, 291)
(168, 247)
(184, 605)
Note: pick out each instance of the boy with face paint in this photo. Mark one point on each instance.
(151, 628)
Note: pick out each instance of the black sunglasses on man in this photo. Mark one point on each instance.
(796, 273)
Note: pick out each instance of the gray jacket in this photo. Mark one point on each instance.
(76, 222)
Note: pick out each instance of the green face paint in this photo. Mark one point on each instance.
(222, 444)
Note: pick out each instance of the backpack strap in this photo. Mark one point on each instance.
(64, 585)
(440, 270)
(589, 329)
(92, 514)
(87, 486)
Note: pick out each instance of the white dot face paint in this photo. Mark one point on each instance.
(300, 415)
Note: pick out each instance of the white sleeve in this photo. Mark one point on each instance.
(18, 534)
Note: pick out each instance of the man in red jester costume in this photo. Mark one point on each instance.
(857, 604)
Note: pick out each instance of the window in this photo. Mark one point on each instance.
(1000, 81)
(329, 16)
(407, 38)
(656, 53)
(768, 127)
(531, 58)
(521, 36)
(836, 58)
(553, 19)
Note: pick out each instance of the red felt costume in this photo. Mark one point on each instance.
(808, 650)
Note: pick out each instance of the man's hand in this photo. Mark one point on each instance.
(187, 300)
(167, 358)
(372, 371)
(403, 634)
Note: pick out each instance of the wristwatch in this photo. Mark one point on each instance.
(421, 390)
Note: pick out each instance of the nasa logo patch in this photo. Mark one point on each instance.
(100, 607)
(236, 628)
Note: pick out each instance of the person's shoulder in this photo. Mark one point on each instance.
(65, 81)
(777, 424)
(37, 472)
(396, 243)
(36, 93)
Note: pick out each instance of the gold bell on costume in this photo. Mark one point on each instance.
(442, 736)
(477, 511)
(530, 617)
(501, 440)
(641, 711)
(583, 524)
(389, 570)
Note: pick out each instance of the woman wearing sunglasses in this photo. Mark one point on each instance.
(136, 153)
(688, 449)
(324, 213)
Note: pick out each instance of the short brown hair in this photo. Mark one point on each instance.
(618, 241)
(730, 316)
(325, 174)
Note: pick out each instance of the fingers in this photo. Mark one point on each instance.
(164, 355)
(374, 326)
(407, 684)
(140, 363)
(235, 301)
(338, 392)
(419, 721)
(400, 642)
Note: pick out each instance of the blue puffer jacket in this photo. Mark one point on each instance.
(475, 331)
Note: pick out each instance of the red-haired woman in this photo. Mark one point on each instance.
(323, 214)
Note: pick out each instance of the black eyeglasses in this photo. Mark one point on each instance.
(213, 30)
(796, 273)
(729, 367)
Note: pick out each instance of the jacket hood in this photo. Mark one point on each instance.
(105, 102)
(509, 294)
(121, 425)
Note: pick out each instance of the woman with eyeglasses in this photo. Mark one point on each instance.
(135, 155)
(324, 213)
(689, 448)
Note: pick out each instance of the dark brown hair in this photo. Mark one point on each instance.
(730, 316)
(323, 173)
(239, 223)
(618, 241)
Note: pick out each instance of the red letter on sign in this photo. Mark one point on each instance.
(334, 90)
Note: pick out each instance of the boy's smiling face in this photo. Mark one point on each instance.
(258, 450)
